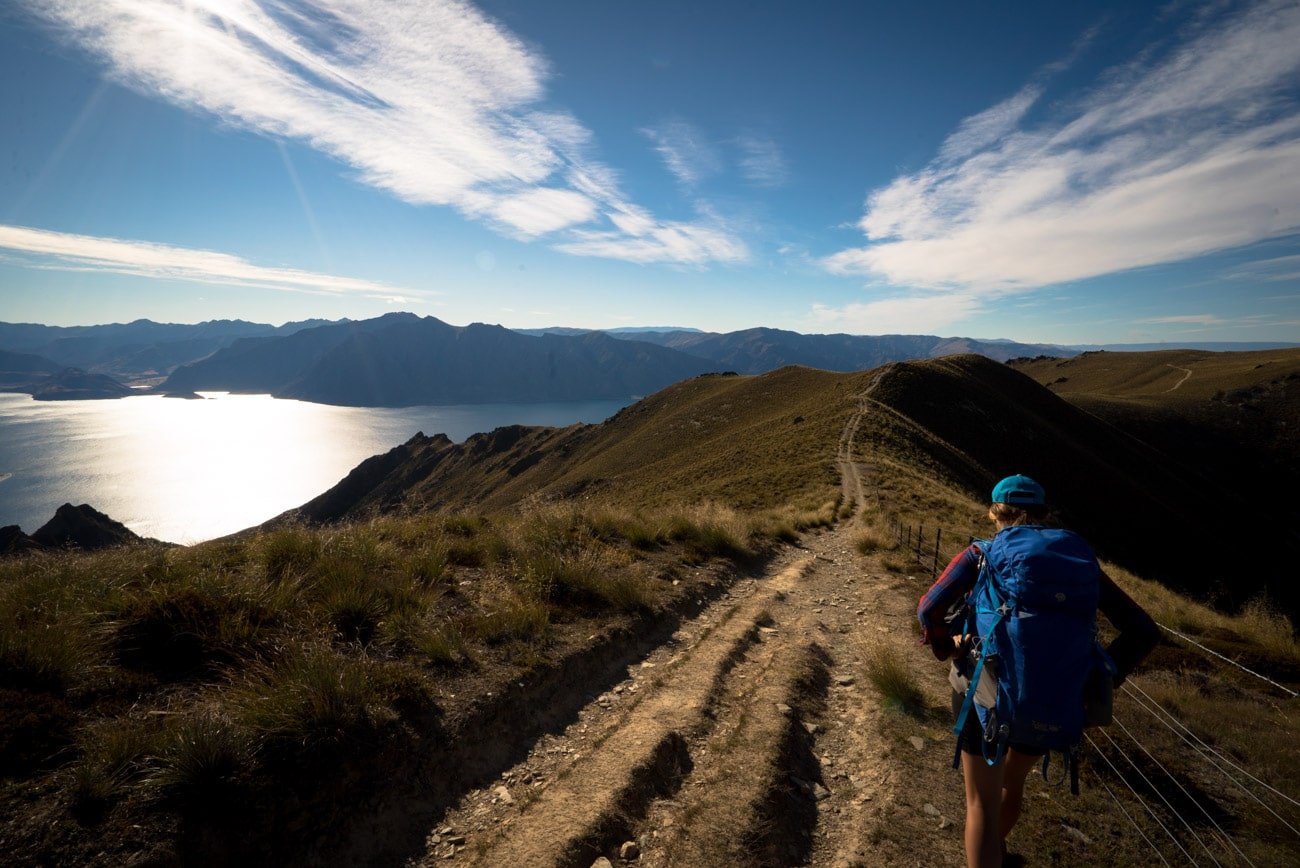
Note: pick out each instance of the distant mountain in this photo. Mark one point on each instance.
(757, 350)
(74, 384)
(1211, 346)
(18, 370)
(626, 330)
(136, 349)
(402, 360)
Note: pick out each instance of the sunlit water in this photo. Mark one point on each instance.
(186, 471)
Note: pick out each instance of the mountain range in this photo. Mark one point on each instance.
(401, 359)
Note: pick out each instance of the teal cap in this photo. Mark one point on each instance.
(1019, 491)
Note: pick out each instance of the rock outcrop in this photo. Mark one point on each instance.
(82, 527)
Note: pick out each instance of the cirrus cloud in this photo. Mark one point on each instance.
(430, 101)
(43, 249)
(1189, 150)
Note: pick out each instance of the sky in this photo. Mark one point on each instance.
(1085, 172)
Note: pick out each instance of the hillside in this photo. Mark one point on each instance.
(18, 370)
(753, 443)
(760, 443)
(74, 384)
(1229, 419)
(402, 360)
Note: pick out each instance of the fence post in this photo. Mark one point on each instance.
(937, 533)
(907, 544)
(920, 532)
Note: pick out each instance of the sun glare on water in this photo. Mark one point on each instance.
(187, 470)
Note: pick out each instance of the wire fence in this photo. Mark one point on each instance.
(933, 547)
(936, 546)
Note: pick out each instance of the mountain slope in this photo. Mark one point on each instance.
(269, 363)
(138, 348)
(403, 360)
(23, 369)
(753, 442)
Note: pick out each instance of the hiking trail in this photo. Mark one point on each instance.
(749, 737)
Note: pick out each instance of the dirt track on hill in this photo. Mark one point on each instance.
(750, 737)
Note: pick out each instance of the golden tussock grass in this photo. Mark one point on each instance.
(300, 642)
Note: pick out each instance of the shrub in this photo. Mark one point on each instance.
(289, 552)
(174, 631)
(515, 618)
(203, 757)
(889, 673)
(314, 699)
(444, 646)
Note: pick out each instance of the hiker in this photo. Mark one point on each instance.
(995, 770)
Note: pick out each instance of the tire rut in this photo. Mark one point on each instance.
(593, 791)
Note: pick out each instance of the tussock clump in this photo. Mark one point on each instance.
(201, 757)
(173, 631)
(890, 674)
(311, 700)
(710, 531)
(289, 552)
(875, 537)
(517, 617)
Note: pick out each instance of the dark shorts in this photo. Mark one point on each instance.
(972, 735)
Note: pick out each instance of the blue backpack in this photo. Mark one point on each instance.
(1033, 614)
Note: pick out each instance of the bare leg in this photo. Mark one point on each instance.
(1013, 788)
(983, 811)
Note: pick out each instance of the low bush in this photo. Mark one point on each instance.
(203, 758)
(289, 552)
(889, 673)
(512, 618)
(314, 699)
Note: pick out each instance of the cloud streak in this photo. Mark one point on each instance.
(428, 100)
(761, 161)
(40, 248)
(685, 150)
(1189, 150)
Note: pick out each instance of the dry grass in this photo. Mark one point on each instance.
(891, 674)
(1258, 630)
(197, 674)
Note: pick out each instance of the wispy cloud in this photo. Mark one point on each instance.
(898, 314)
(1205, 319)
(685, 150)
(1274, 270)
(761, 161)
(40, 248)
(428, 100)
(1190, 149)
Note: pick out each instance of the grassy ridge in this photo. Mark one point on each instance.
(753, 443)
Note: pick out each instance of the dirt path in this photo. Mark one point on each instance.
(1187, 372)
(749, 738)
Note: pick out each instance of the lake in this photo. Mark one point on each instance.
(187, 470)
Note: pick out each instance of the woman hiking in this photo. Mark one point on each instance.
(996, 755)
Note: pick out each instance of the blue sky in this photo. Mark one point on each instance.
(1084, 172)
